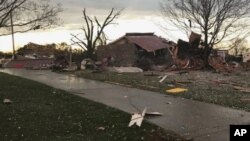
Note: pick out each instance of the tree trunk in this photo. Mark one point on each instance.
(207, 49)
(206, 60)
(206, 55)
(90, 53)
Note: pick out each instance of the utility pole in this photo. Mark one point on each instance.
(13, 39)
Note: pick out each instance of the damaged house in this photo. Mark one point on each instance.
(36, 51)
(33, 56)
(142, 50)
(188, 54)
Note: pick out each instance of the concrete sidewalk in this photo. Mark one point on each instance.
(191, 119)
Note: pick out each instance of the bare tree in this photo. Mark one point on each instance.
(94, 32)
(27, 15)
(215, 19)
(239, 46)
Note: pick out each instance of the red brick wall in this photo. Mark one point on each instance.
(123, 54)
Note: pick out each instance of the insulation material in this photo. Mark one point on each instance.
(177, 90)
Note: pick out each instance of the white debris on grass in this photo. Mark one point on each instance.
(125, 69)
(154, 114)
(137, 118)
(101, 128)
(163, 78)
(7, 101)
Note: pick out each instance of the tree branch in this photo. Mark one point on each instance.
(93, 30)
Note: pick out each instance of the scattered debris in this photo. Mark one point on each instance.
(101, 128)
(125, 69)
(169, 103)
(222, 82)
(246, 57)
(187, 64)
(171, 85)
(118, 84)
(88, 64)
(163, 78)
(242, 89)
(151, 74)
(246, 99)
(236, 64)
(73, 67)
(154, 114)
(77, 92)
(97, 71)
(98, 63)
(188, 55)
(83, 63)
(182, 83)
(183, 72)
(147, 86)
(137, 118)
(176, 90)
(7, 101)
(159, 67)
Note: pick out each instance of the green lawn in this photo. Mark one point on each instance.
(202, 86)
(39, 112)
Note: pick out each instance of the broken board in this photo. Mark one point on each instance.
(177, 90)
(137, 118)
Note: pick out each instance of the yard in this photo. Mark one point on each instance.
(210, 87)
(39, 112)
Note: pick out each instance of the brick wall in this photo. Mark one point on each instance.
(123, 54)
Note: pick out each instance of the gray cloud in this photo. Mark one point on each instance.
(145, 5)
(133, 9)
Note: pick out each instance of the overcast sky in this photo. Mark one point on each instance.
(137, 16)
(137, 5)
(133, 9)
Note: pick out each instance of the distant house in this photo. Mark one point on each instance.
(134, 48)
(33, 56)
(36, 51)
(222, 53)
(246, 57)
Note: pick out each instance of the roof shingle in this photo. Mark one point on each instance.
(147, 41)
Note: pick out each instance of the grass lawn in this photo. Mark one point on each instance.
(202, 86)
(39, 112)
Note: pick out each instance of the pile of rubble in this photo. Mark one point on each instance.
(188, 55)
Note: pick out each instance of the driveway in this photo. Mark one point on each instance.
(191, 119)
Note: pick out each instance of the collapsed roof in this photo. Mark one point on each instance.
(147, 41)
